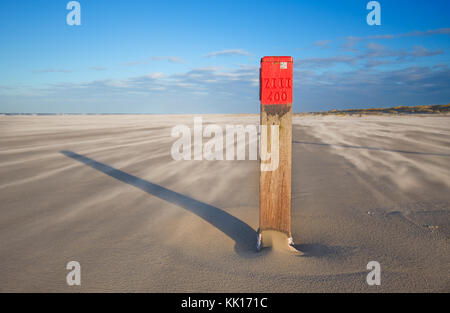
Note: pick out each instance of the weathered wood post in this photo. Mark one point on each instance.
(276, 80)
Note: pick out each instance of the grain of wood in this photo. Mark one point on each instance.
(275, 186)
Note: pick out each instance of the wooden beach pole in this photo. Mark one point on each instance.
(276, 82)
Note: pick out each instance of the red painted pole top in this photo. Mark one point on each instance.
(277, 59)
(276, 79)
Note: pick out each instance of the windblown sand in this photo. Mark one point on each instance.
(105, 191)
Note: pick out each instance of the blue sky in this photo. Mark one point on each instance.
(203, 56)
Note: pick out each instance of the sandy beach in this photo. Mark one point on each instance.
(105, 191)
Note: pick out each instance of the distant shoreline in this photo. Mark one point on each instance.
(419, 109)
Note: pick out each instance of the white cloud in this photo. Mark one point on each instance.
(373, 55)
(52, 70)
(229, 52)
(170, 59)
(156, 75)
(323, 44)
(98, 68)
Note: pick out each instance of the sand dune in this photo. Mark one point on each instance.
(105, 191)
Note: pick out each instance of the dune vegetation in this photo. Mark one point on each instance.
(419, 109)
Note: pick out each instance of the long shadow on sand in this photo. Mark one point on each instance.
(243, 235)
(370, 148)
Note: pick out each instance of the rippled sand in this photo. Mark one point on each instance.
(104, 191)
